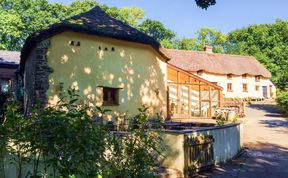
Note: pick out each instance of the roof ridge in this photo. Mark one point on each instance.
(203, 52)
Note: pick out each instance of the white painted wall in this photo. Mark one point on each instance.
(237, 85)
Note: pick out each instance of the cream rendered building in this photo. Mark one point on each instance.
(110, 63)
(239, 76)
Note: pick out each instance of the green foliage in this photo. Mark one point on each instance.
(186, 44)
(156, 30)
(135, 153)
(18, 19)
(209, 36)
(64, 141)
(282, 101)
(268, 43)
(220, 119)
(204, 4)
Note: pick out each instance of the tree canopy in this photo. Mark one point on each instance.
(268, 43)
(156, 30)
(204, 36)
(204, 4)
(18, 19)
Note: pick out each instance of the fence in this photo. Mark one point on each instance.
(198, 154)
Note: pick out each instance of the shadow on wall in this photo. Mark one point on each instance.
(140, 80)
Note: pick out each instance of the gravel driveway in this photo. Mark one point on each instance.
(266, 140)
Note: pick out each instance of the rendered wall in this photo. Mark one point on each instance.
(237, 82)
(228, 141)
(136, 69)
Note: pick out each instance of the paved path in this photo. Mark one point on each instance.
(266, 140)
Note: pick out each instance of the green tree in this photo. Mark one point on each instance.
(268, 43)
(156, 30)
(213, 37)
(186, 44)
(209, 36)
(18, 19)
(204, 4)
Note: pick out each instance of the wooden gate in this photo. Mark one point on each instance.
(198, 154)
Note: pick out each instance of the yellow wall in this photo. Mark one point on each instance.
(138, 69)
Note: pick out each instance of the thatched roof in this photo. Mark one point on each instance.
(94, 22)
(193, 61)
(9, 58)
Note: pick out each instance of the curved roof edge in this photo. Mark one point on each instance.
(93, 22)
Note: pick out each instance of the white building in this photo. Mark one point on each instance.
(239, 76)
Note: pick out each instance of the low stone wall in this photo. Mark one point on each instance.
(228, 141)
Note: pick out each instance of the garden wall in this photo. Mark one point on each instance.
(228, 141)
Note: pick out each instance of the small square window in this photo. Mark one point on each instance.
(200, 72)
(245, 87)
(229, 76)
(257, 78)
(229, 87)
(71, 43)
(257, 88)
(110, 96)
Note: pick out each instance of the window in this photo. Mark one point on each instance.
(257, 78)
(257, 88)
(244, 76)
(200, 72)
(110, 96)
(229, 76)
(245, 87)
(229, 86)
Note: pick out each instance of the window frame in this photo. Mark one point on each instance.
(200, 72)
(114, 98)
(245, 87)
(244, 76)
(257, 88)
(229, 87)
(257, 78)
(229, 76)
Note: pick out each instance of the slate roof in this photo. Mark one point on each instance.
(193, 61)
(94, 22)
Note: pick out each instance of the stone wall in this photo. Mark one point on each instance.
(36, 76)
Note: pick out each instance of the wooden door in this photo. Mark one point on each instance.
(265, 91)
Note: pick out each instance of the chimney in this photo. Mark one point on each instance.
(208, 49)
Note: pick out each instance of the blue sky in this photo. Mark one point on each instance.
(185, 18)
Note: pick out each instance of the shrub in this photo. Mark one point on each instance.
(64, 141)
(282, 101)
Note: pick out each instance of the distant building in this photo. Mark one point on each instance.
(9, 63)
(239, 76)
